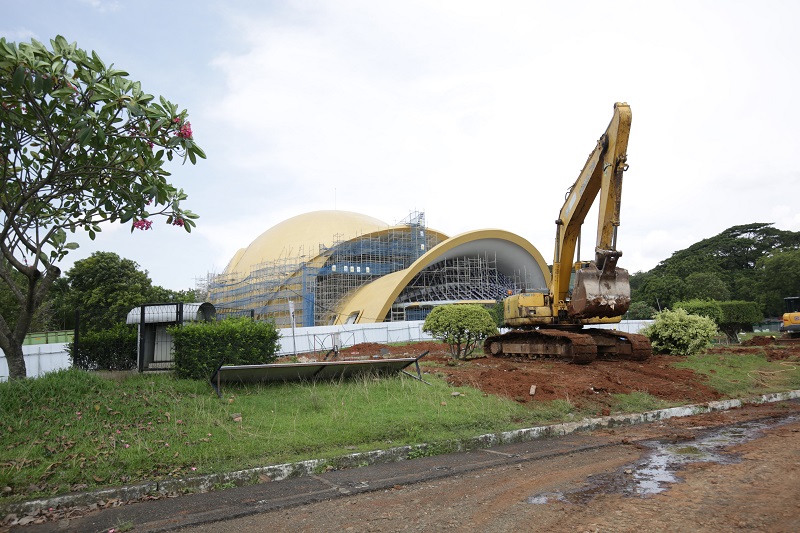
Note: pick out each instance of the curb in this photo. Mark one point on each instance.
(310, 467)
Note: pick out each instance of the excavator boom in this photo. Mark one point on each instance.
(550, 325)
(600, 289)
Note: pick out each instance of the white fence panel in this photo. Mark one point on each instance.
(628, 326)
(39, 359)
(320, 339)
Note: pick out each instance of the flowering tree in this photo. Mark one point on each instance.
(80, 145)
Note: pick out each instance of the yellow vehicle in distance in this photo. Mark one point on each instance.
(791, 318)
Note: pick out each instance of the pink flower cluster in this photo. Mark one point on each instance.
(178, 222)
(186, 130)
(142, 224)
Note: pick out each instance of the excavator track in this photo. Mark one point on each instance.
(543, 343)
(613, 344)
(572, 347)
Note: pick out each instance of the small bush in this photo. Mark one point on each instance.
(461, 326)
(679, 333)
(641, 311)
(200, 347)
(110, 349)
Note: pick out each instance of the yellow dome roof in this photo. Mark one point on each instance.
(301, 236)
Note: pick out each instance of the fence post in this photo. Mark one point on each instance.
(140, 355)
(76, 336)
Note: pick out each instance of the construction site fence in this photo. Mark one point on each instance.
(322, 339)
(39, 359)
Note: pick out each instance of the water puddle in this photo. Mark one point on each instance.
(659, 467)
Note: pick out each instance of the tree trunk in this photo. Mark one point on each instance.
(14, 359)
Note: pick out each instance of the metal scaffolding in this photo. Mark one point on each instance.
(316, 285)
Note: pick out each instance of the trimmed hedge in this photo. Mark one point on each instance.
(201, 346)
(709, 308)
(110, 349)
(738, 315)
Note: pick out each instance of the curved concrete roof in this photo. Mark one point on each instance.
(512, 252)
(302, 235)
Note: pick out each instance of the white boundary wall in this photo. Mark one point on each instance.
(39, 359)
(43, 358)
(322, 338)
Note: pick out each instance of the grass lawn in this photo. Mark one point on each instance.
(73, 430)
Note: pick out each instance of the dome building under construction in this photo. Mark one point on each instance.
(339, 267)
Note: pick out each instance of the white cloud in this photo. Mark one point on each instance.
(481, 114)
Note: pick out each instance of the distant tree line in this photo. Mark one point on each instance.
(749, 263)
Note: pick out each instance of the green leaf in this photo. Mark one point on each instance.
(72, 246)
(59, 237)
(83, 136)
(134, 109)
(19, 78)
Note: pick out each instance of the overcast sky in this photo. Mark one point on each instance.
(480, 114)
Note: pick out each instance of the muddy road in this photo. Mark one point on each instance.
(755, 486)
(610, 480)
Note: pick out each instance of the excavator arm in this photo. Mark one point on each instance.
(600, 289)
(553, 325)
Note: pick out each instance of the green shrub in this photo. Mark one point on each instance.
(640, 311)
(461, 326)
(200, 347)
(679, 333)
(110, 349)
(708, 308)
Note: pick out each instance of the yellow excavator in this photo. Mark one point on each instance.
(583, 293)
(791, 318)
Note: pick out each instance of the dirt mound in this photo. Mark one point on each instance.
(759, 340)
(405, 350)
(586, 386)
(773, 351)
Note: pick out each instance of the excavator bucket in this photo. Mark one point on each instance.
(600, 293)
